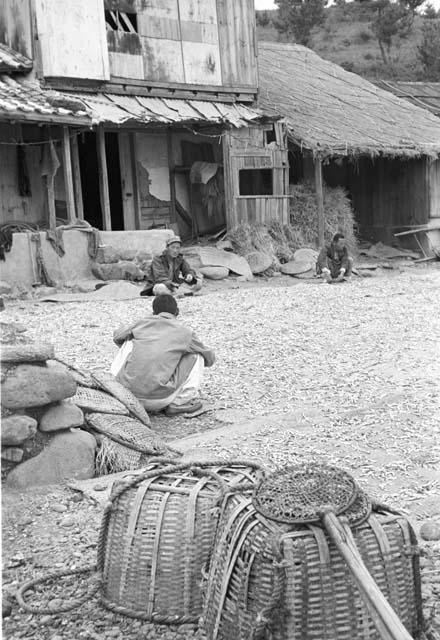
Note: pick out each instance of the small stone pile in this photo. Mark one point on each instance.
(40, 438)
(121, 264)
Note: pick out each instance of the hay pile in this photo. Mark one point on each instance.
(281, 241)
(338, 214)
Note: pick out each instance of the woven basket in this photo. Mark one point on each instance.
(98, 401)
(290, 582)
(108, 383)
(156, 539)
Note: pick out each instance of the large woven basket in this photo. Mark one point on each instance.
(286, 582)
(157, 536)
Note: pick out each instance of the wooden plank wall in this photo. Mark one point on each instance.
(15, 25)
(236, 20)
(67, 48)
(247, 149)
(433, 169)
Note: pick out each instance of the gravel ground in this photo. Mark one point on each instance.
(359, 360)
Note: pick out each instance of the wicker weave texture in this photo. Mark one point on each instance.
(292, 582)
(99, 401)
(107, 382)
(125, 429)
(159, 541)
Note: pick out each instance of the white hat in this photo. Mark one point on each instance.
(173, 240)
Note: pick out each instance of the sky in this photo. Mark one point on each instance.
(269, 4)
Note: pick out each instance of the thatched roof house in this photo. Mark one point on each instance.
(423, 94)
(345, 130)
(333, 112)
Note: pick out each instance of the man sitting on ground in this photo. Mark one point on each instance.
(334, 264)
(169, 270)
(165, 367)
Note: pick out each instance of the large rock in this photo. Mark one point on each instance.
(211, 257)
(27, 352)
(127, 254)
(107, 254)
(123, 270)
(69, 455)
(214, 273)
(62, 416)
(259, 261)
(17, 429)
(29, 385)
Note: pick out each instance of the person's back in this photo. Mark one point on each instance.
(165, 366)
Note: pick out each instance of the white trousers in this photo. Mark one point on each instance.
(188, 390)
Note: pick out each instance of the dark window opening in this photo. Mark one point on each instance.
(270, 135)
(121, 21)
(256, 182)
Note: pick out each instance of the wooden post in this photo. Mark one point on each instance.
(172, 177)
(319, 200)
(68, 177)
(137, 198)
(50, 179)
(103, 179)
(77, 179)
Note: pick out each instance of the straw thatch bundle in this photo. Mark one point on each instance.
(281, 241)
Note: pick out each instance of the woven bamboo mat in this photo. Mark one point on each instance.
(127, 431)
(108, 383)
(96, 400)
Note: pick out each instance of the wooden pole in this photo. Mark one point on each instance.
(50, 180)
(136, 195)
(77, 179)
(172, 177)
(103, 179)
(319, 200)
(68, 177)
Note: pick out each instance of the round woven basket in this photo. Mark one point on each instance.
(289, 582)
(157, 536)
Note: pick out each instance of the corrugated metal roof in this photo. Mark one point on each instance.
(13, 62)
(116, 109)
(422, 94)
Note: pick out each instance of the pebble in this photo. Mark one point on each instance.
(430, 531)
(100, 487)
(58, 507)
(67, 522)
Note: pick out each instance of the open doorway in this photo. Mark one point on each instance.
(89, 168)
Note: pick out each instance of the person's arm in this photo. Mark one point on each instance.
(123, 333)
(322, 260)
(188, 273)
(196, 346)
(159, 273)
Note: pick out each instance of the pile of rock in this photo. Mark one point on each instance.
(41, 441)
(121, 264)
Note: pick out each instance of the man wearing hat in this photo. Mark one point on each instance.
(170, 270)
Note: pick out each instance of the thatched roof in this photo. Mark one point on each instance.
(336, 113)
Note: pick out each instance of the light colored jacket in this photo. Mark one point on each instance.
(155, 368)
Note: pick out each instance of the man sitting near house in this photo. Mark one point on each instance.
(334, 264)
(165, 366)
(169, 271)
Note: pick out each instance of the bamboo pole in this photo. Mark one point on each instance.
(103, 180)
(319, 200)
(77, 179)
(68, 177)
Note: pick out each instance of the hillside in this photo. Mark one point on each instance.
(346, 39)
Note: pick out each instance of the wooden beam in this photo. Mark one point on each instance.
(68, 177)
(136, 194)
(103, 179)
(172, 176)
(77, 179)
(319, 200)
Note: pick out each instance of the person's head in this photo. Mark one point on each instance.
(173, 246)
(165, 303)
(339, 240)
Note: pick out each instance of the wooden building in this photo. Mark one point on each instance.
(343, 129)
(136, 115)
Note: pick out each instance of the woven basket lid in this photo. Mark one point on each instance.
(307, 254)
(296, 266)
(128, 432)
(96, 400)
(258, 261)
(108, 383)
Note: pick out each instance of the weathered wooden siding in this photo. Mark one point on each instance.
(15, 25)
(433, 169)
(247, 149)
(236, 19)
(67, 48)
(202, 43)
(152, 172)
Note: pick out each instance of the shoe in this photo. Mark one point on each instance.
(177, 409)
